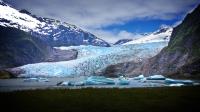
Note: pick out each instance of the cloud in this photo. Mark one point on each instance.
(113, 37)
(99, 13)
(96, 14)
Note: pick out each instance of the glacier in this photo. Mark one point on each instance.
(92, 59)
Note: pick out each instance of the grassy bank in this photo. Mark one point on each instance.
(183, 99)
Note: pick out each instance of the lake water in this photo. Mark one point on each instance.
(52, 83)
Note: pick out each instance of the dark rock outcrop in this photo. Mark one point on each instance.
(62, 55)
(122, 41)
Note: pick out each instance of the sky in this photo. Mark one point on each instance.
(111, 20)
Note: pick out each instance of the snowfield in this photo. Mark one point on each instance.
(17, 19)
(92, 59)
(161, 35)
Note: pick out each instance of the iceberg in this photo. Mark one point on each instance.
(73, 83)
(172, 81)
(140, 77)
(99, 80)
(156, 77)
(36, 80)
(30, 79)
(175, 85)
(43, 80)
(123, 81)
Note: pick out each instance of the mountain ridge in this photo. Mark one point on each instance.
(53, 31)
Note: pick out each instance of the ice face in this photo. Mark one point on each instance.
(91, 59)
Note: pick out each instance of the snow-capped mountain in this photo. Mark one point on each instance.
(55, 32)
(163, 34)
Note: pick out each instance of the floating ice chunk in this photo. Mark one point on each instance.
(99, 80)
(172, 81)
(178, 84)
(196, 84)
(36, 80)
(123, 81)
(30, 79)
(43, 80)
(73, 83)
(139, 77)
(156, 77)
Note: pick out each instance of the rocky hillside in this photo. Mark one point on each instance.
(181, 58)
(18, 48)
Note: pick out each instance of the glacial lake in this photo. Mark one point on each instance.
(17, 84)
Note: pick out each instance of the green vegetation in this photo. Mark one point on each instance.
(184, 99)
(186, 34)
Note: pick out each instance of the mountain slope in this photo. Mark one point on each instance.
(181, 58)
(18, 48)
(54, 32)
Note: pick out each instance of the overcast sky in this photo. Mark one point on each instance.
(111, 19)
